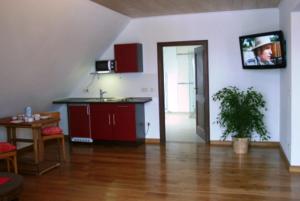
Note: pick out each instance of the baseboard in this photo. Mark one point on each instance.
(291, 168)
(152, 141)
(287, 163)
(220, 143)
(294, 169)
(270, 144)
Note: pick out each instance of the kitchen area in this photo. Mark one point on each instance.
(111, 101)
(106, 119)
(105, 107)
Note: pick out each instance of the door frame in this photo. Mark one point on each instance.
(161, 92)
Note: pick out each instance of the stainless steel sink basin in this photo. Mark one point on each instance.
(129, 99)
(105, 99)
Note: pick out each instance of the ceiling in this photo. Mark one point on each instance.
(145, 8)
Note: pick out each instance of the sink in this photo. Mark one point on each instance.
(113, 99)
(108, 99)
(104, 99)
(129, 99)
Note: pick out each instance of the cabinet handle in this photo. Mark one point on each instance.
(88, 110)
(114, 120)
(108, 119)
(122, 106)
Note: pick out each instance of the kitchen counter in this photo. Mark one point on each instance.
(106, 119)
(133, 100)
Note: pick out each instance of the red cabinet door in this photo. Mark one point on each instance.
(124, 124)
(128, 57)
(79, 120)
(101, 122)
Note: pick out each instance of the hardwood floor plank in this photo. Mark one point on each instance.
(176, 171)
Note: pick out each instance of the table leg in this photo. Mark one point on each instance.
(11, 135)
(8, 134)
(35, 145)
(41, 150)
(40, 144)
(14, 136)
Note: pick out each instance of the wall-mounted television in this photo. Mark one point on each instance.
(263, 50)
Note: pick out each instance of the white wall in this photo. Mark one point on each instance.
(222, 30)
(46, 47)
(285, 83)
(289, 86)
(295, 138)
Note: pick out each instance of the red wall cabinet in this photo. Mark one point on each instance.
(79, 120)
(128, 58)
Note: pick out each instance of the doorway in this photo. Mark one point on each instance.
(183, 91)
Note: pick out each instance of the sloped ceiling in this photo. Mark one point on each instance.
(145, 8)
(46, 46)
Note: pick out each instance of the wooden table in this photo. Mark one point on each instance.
(11, 190)
(36, 126)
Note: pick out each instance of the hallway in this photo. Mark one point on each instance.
(181, 127)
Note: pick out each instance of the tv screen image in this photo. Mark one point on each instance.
(263, 51)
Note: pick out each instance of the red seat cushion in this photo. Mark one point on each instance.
(6, 147)
(3, 180)
(53, 130)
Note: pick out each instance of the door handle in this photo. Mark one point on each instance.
(108, 119)
(114, 120)
(88, 110)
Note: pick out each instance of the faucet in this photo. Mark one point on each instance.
(102, 92)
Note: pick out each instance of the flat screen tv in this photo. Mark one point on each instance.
(263, 50)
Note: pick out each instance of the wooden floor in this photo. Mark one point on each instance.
(177, 171)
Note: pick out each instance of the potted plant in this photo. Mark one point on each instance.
(241, 115)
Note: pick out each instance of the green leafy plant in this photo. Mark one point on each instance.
(241, 113)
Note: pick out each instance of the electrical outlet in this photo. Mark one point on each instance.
(144, 89)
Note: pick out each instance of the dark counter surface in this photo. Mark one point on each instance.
(134, 100)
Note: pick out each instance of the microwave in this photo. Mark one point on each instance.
(104, 66)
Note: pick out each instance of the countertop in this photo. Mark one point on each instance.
(132, 100)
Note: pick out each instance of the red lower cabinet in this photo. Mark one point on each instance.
(79, 120)
(117, 122)
(101, 122)
(124, 126)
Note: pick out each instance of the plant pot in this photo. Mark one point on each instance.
(240, 145)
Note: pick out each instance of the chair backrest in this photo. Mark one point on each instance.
(55, 115)
(51, 114)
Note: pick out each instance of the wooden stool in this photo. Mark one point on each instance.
(11, 188)
(9, 153)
